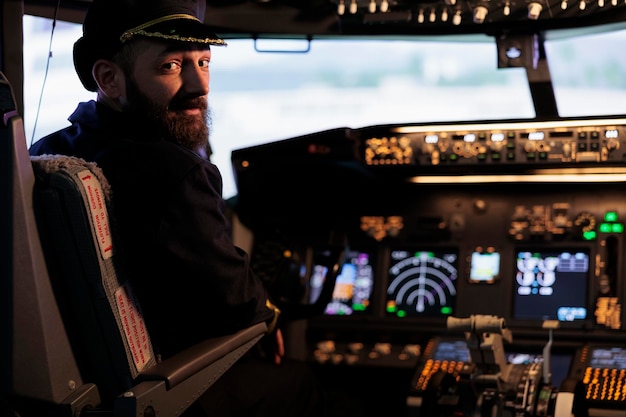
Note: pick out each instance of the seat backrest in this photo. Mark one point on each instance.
(72, 199)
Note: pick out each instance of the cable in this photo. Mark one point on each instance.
(45, 76)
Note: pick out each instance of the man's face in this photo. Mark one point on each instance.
(169, 85)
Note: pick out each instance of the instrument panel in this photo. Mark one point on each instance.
(547, 143)
(525, 252)
(522, 221)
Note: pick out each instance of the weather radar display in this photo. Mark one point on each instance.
(421, 283)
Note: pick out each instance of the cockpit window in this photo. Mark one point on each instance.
(258, 97)
(588, 73)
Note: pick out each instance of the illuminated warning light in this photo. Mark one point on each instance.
(610, 216)
(589, 235)
(497, 137)
(446, 310)
(401, 313)
(391, 307)
(612, 227)
(470, 137)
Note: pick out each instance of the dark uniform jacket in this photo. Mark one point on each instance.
(191, 281)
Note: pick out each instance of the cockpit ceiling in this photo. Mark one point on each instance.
(310, 18)
(410, 17)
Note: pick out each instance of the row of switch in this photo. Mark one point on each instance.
(353, 353)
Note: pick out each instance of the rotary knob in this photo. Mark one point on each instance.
(586, 221)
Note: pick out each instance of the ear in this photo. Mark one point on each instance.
(110, 78)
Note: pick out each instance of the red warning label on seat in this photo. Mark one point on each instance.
(98, 212)
(134, 327)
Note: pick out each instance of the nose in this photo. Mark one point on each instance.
(195, 80)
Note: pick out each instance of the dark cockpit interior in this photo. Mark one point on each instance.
(482, 260)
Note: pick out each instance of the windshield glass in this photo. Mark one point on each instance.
(259, 97)
(588, 74)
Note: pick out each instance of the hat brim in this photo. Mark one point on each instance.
(182, 29)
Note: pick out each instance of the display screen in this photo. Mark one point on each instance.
(610, 358)
(484, 266)
(452, 351)
(316, 282)
(353, 286)
(421, 283)
(551, 284)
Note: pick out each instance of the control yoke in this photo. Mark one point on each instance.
(493, 386)
(484, 335)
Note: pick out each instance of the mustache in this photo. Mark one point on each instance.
(188, 103)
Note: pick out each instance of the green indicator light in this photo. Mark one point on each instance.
(401, 313)
(544, 394)
(391, 309)
(617, 228)
(358, 307)
(610, 216)
(589, 235)
(446, 310)
(605, 228)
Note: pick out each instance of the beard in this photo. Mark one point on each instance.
(169, 121)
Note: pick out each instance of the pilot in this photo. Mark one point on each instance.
(148, 129)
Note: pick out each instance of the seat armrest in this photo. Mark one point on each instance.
(192, 360)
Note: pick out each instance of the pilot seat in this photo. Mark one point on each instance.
(77, 341)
